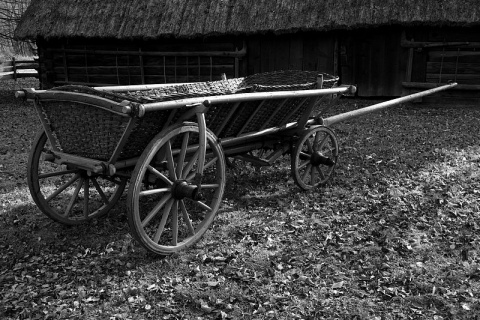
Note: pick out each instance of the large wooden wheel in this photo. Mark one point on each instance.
(314, 157)
(176, 189)
(68, 194)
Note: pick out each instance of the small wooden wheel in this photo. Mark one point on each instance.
(175, 194)
(65, 193)
(314, 157)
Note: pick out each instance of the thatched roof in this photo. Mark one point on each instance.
(133, 19)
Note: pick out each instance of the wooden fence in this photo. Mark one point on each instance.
(15, 69)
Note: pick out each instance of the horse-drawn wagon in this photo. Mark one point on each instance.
(170, 143)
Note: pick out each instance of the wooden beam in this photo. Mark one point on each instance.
(434, 44)
(237, 53)
(427, 85)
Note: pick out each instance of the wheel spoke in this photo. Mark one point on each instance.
(161, 226)
(113, 180)
(309, 146)
(170, 163)
(191, 163)
(155, 210)
(315, 139)
(210, 186)
(207, 165)
(100, 191)
(160, 175)
(305, 174)
(320, 172)
(73, 198)
(320, 145)
(313, 175)
(210, 163)
(154, 191)
(175, 223)
(304, 154)
(65, 186)
(86, 196)
(201, 205)
(303, 165)
(57, 173)
(186, 218)
(181, 157)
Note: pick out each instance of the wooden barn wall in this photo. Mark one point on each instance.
(370, 59)
(307, 51)
(109, 62)
(373, 60)
(379, 61)
(440, 55)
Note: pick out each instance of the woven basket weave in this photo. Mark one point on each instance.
(92, 132)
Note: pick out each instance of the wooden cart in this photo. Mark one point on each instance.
(170, 145)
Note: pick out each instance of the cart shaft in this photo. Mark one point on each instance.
(380, 106)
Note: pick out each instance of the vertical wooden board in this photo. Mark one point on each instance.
(267, 55)
(296, 53)
(419, 67)
(318, 50)
(363, 71)
(280, 53)
(380, 60)
(310, 53)
(380, 71)
(396, 64)
(254, 50)
(347, 59)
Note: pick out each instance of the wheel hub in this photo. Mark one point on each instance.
(318, 158)
(182, 189)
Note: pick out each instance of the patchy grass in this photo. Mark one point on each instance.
(394, 236)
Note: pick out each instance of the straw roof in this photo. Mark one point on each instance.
(143, 19)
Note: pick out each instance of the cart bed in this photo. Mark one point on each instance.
(90, 123)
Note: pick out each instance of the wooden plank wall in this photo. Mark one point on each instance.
(373, 60)
(127, 63)
(440, 55)
(308, 51)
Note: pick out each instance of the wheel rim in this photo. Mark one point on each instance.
(167, 211)
(68, 194)
(315, 158)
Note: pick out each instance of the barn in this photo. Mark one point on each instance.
(385, 47)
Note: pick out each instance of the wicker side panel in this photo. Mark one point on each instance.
(256, 115)
(145, 130)
(84, 130)
(239, 119)
(303, 105)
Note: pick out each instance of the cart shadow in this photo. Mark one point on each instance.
(27, 232)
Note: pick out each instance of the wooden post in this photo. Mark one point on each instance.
(14, 65)
(408, 75)
(335, 57)
(86, 65)
(211, 68)
(65, 67)
(116, 67)
(408, 72)
(142, 71)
